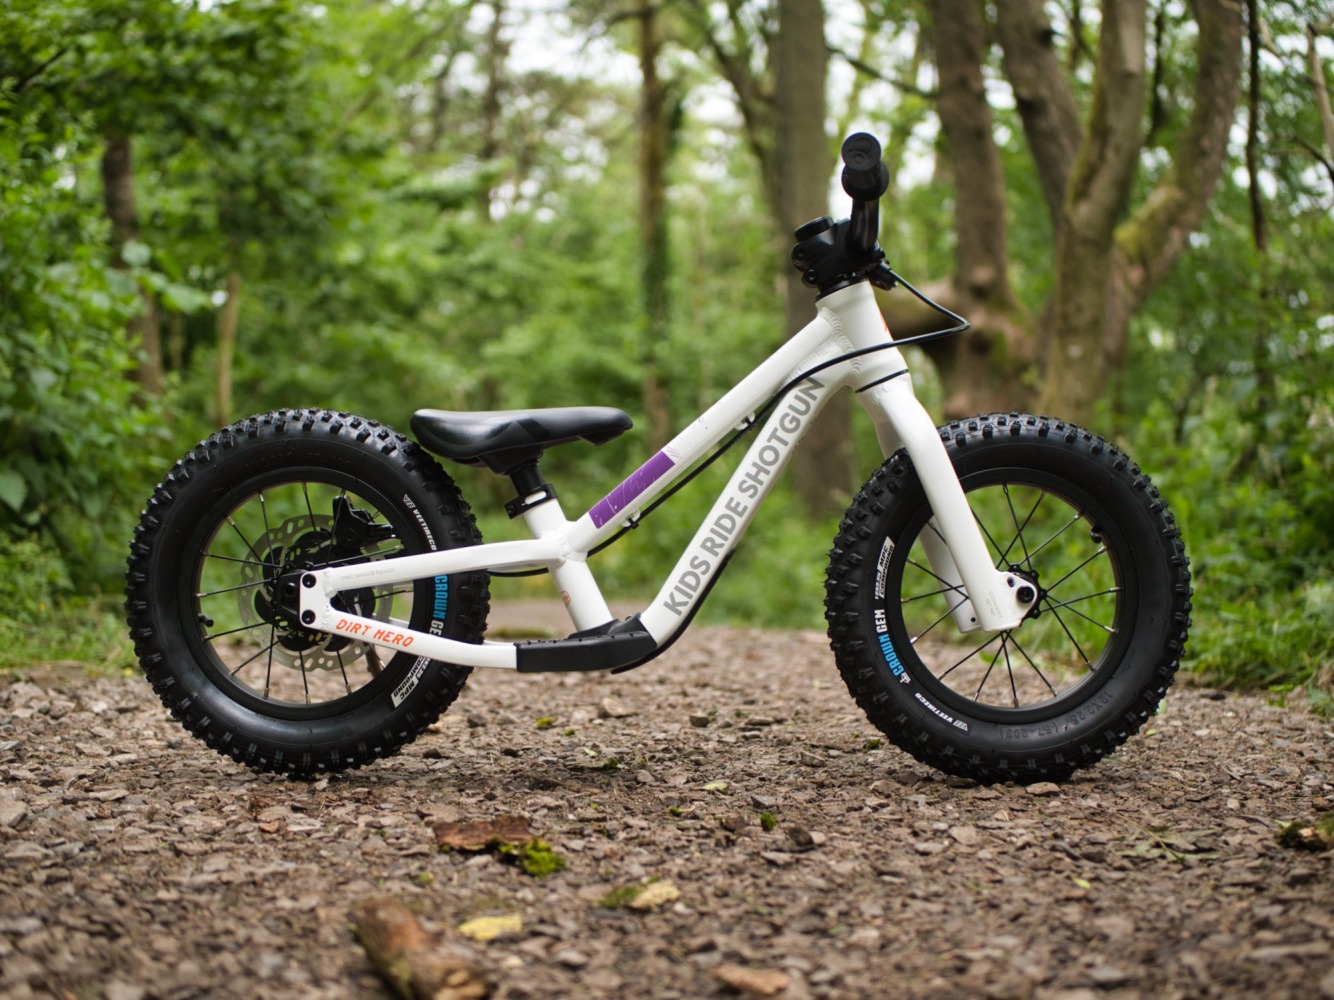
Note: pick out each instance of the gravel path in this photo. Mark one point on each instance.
(134, 862)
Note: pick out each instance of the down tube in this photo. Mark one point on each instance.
(735, 507)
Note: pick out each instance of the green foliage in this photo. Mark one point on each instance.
(72, 431)
(43, 618)
(620, 896)
(1233, 377)
(536, 857)
(1259, 524)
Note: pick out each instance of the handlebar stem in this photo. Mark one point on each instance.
(834, 255)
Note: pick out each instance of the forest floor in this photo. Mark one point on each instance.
(135, 862)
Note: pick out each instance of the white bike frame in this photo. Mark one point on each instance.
(847, 321)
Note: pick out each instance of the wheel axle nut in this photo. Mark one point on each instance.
(1025, 595)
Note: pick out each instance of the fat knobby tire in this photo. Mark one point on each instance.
(1103, 714)
(341, 734)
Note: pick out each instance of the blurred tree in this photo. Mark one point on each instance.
(775, 59)
(1111, 249)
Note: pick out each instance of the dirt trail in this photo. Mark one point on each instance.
(134, 862)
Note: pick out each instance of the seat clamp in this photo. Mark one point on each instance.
(519, 505)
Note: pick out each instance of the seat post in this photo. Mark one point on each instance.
(531, 488)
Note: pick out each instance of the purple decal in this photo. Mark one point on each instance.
(630, 490)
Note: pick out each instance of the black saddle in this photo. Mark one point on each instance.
(504, 440)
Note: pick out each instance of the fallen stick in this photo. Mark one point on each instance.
(414, 963)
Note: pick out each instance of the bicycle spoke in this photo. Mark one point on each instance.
(1019, 528)
(230, 631)
(1086, 597)
(267, 649)
(967, 657)
(229, 590)
(243, 562)
(305, 491)
(913, 639)
(1070, 635)
(264, 510)
(1000, 556)
(1041, 675)
(932, 525)
(362, 556)
(1092, 621)
(1053, 586)
(268, 673)
(987, 676)
(342, 668)
(305, 682)
(934, 593)
(246, 541)
(954, 587)
(1059, 531)
(1009, 668)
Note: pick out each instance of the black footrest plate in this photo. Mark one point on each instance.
(606, 648)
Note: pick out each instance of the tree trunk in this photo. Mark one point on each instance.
(1042, 94)
(1098, 193)
(497, 52)
(1260, 402)
(118, 199)
(655, 136)
(982, 369)
(1149, 243)
(1316, 72)
(227, 325)
(824, 469)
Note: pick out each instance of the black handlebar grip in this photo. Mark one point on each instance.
(864, 176)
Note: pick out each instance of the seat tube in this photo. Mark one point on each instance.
(578, 589)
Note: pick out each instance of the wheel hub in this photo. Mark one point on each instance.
(1029, 590)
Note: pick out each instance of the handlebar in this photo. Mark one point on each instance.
(832, 255)
(865, 179)
(864, 176)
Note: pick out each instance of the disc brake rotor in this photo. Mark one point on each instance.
(304, 542)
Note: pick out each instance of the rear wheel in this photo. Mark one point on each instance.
(1067, 515)
(216, 627)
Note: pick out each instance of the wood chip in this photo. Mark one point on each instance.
(482, 835)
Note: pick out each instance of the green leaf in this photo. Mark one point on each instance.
(136, 254)
(13, 489)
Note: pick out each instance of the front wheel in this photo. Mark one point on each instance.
(219, 637)
(1068, 513)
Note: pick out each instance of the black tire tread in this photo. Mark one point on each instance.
(853, 548)
(186, 706)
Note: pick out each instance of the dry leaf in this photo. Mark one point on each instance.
(655, 894)
(490, 928)
(756, 982)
